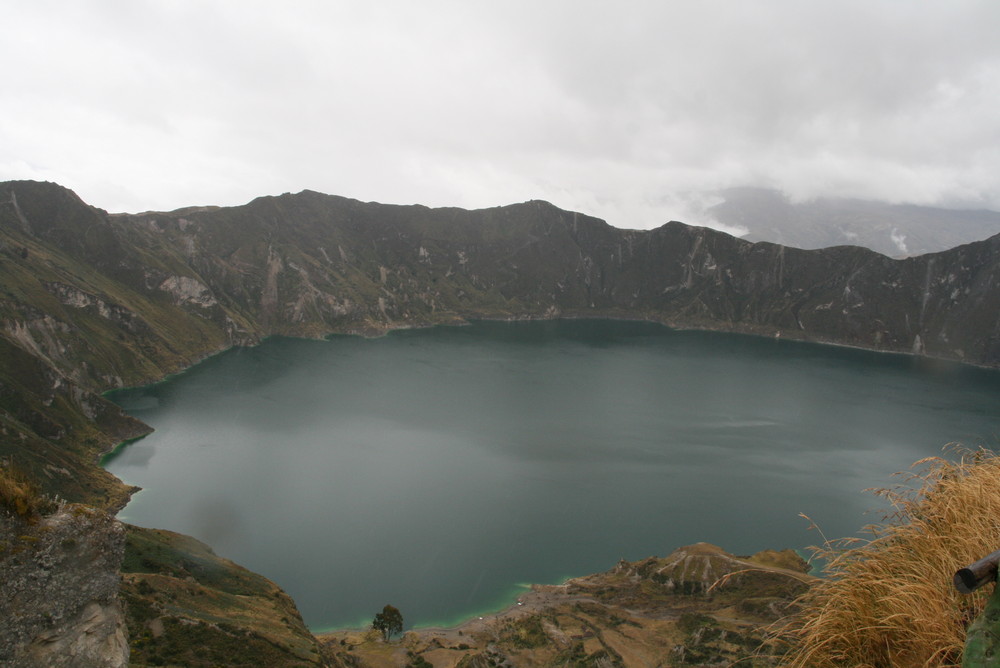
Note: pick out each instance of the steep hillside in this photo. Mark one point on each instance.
(189, 607)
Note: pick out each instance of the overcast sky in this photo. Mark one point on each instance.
(627, 110)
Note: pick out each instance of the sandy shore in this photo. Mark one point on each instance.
(536, 599)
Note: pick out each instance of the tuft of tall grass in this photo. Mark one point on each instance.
(888, 599)
(20, 495)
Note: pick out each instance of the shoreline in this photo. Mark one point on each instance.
(648, 612)
(509, 606)
(536, 599)
(524, 592)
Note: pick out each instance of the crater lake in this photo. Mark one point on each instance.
(440, 470)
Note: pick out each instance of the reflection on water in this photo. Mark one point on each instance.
(135, 402)
(133, 456)
(436, 469)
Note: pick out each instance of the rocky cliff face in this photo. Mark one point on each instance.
(59, 591)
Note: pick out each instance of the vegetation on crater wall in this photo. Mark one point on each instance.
(187, 606)
(22, 496)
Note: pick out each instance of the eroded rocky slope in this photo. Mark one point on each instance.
(59, 597)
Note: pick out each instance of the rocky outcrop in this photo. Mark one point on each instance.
(59, 593)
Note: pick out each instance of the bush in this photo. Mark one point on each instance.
(689, 622)
(20, 495)
(889, 600)
(527, 633)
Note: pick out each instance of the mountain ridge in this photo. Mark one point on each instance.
(94, 301)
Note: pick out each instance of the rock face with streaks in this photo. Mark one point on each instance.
(59, 593)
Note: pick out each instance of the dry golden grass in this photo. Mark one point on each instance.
(18, 494)
(888, 601)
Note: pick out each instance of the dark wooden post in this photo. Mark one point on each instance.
(982, 640)
(974, 576)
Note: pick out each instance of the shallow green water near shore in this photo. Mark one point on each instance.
(436, 469)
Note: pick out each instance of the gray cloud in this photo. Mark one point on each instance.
(626, 110)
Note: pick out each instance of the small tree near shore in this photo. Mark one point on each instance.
(388, 622)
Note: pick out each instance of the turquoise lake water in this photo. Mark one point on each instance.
(440, 469)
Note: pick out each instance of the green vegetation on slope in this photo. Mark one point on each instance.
(187, 606)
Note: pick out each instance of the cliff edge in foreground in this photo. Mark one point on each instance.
(59, 593)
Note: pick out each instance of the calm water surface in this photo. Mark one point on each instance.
(437, 469)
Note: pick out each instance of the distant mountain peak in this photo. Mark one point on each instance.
(895, 230)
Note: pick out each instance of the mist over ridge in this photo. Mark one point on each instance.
(896, 230)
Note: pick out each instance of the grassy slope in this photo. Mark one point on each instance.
(187, 606)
